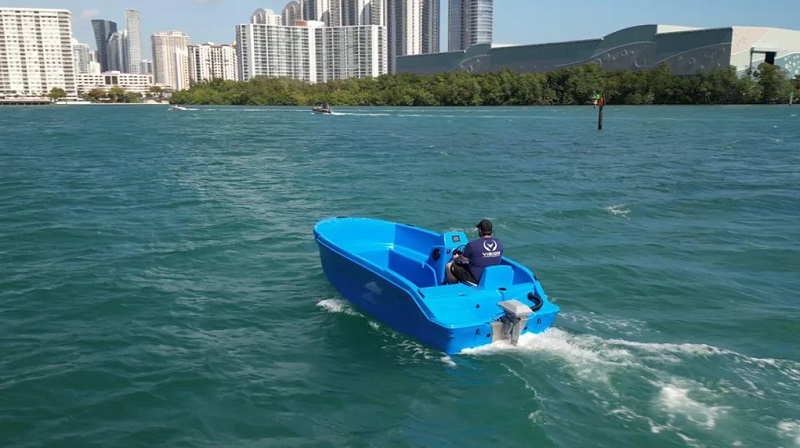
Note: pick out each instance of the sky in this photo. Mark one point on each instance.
(515, 21)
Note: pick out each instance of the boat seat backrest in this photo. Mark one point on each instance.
(499, 276)
(412, 267)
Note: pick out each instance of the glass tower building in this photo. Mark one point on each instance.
(103, 29)
(470, 22)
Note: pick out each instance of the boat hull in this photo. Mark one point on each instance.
(449, 318)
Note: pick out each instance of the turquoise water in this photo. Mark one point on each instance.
(160, 286)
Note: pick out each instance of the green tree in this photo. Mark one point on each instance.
(95, 95)
(157, 92)
(573, 85)
(56, 93)
(132, 97)
(774, 85)
(116, 94)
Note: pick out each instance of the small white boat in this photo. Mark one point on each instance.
(322, 108)
(178, 107)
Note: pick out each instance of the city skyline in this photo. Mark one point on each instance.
(515, 21)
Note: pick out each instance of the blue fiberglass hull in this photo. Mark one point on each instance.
(395, 273)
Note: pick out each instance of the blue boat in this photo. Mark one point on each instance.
(396, 273)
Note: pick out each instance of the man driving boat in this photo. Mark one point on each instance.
(478, 254)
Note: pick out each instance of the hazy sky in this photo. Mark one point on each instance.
(515, 21)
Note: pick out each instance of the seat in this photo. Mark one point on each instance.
(495, 277)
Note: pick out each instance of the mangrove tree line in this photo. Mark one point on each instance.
(573, 85)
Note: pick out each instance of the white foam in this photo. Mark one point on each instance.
(618, 210)
(587, 355)
(675, 400)
(412, 352)
(593, 357)
(449, 361)
(537, 417)
(790, 430)
(337, 306)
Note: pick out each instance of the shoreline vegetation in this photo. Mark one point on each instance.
(580, 85)
(767, 84)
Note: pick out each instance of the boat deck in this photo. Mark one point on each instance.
(459, 305)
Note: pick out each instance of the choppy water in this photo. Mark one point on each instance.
(159, 283)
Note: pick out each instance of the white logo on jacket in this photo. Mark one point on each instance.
(491, 249)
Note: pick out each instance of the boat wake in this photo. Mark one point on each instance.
(360, 114)
(683, 388)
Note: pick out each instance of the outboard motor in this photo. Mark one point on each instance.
(511, 324)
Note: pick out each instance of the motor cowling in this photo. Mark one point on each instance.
(510, 325)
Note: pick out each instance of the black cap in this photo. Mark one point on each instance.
(485, 225)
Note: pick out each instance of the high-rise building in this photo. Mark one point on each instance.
(364, 12)
(413, 28)
(377, 13)
(310, 51)
(350, 52)
(276, 50)
(470, 22)
(171, 59)
(117, 51)
(431, 24)
(316, 10)
(103, 29)
(146, 67)
(266, 16)
(339, 12)
(94, 66)
(36, 53)
(210, 61)
(82, 55)
(291, 12)
(133, 23)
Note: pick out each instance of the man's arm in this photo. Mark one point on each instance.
(464, 258)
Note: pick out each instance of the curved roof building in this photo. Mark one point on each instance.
(687, 50)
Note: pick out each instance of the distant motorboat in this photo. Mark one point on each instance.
(323, 108)
(178, 107)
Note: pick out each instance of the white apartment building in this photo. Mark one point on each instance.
(266, 17)
(82, 56)
(136, 83)
(95, 68)
(36, 53)
(364, 12)
(338, 12)
(171, 59)
(413, 27)
(310, 51)
(291, 12)
(277, 51)
(210, 61)
(350, 52)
